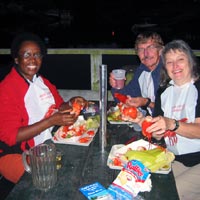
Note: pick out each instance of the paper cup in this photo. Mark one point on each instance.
(119, 75)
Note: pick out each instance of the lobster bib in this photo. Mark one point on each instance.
(38, 99)
(182, 104)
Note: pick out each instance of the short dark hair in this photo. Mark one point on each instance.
(146, 35)
(23, 37)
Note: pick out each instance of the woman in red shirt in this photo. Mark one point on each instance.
(27, 100)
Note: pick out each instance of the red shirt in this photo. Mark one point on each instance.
(13, 114)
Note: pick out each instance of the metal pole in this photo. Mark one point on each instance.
(103, 106)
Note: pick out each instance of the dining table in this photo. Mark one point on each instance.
(83, 165)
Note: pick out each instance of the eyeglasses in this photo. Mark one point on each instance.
(28, 55)
(149, 48)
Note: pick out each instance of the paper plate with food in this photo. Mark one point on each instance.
(81, 132)
(157, 159)
(114, 114)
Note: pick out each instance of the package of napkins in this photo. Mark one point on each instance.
(132, 179)
(96, 191)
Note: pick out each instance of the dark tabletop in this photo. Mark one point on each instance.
(82, 165)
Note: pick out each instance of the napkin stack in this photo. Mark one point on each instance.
(133, 178)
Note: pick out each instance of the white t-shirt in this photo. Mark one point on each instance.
(147, 86)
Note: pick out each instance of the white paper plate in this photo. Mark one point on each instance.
(121, 149)
(57, 138)
(60, 136)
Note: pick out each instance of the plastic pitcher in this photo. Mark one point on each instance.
(42, 165)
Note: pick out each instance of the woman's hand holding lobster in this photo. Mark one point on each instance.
(68, 112)
(62, 118)
(159, 126)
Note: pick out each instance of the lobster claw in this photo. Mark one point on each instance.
(121, 97)
(171, 136)
(172, 140)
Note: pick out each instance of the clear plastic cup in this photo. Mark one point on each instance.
(119, 76)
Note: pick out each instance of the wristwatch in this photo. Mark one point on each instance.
(148, 102)
(176, 125)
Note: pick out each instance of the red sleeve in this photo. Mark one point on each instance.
(13, 113)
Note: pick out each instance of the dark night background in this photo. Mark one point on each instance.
(99, 23)
(93, 24)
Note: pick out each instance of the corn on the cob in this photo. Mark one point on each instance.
(153, 159)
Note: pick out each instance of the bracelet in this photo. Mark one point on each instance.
(148, 102)
(176, 125)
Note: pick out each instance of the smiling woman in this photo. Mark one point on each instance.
(31, 103)
(29, 61)
(178, 104)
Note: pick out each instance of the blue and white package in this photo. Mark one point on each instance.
(133, 178)
(95, 191)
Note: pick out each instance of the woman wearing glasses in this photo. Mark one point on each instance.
(28, 105)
